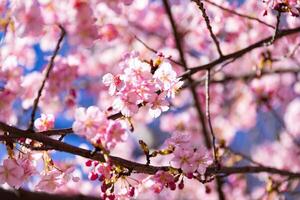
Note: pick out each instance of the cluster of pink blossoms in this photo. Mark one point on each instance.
(290, 6)
(142, 83)
(93, 124)
(190, 159)
(15, 172)
(53, 179)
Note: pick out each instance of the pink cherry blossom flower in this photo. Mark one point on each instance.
(50, 181)
(89, 122)
(159, 105)
(28, 18)
(202, 159)
(161, 179)
(113, 82)
(104, 170)
(45, 122)
(11, 173)
(183, 159)
(166, 75)
(67, 175)
(115, 133)
(178, 139)
(174, 88)
(137, 70)
(28, 164)
(127, 104)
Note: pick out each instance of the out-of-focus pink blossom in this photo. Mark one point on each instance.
(292, 115)
(50, 181)
(11, 173)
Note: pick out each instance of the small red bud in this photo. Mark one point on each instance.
(88, 163)
(189, 175)
(181, 185)
(112, 197)
(101, 178)
(172, 185)
(103, 187)
(93, 176)
(207, 189)
(131, 191)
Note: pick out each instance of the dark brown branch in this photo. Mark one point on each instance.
(176, 34)
(201, 116)
(246, 77)
(63, 131)
(276, 28)
(239, 14)
(27, 195)
(50, 66)
(208, 25)
(136, 167)
(238, 53)
(207, 95)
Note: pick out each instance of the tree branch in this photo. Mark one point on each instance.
(208, 25)
(238, 53)
(239, 14)
(27, 195)
(50, 66)
(136, 167)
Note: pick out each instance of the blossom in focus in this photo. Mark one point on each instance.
(166, 75)
(183, 159)
(159, 105)
(45, 122)
(88, 122)
(115, 133)
(202, 159)
(162, 179)
(113, 82)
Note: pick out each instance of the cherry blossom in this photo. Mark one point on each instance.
(183, 159)
(89, 122)
(11, 173)
(125, 84)
(162, 179)
(45, 122)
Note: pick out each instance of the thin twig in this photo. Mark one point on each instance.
(154, 51)
(50, 66)
(208, 25)
(238, 53)
(207, 95)
(239, 14)
(276, 28)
